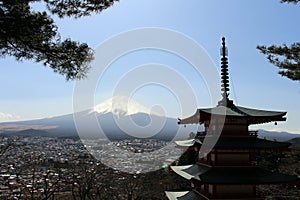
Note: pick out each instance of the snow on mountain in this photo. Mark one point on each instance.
(121, 106)
(121, 114)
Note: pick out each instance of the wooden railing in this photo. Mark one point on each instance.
(250, 133)
(253, 133)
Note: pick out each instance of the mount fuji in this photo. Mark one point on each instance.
(119, 118)
(120, 105)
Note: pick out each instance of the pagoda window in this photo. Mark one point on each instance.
(210, 189)
(192, 184)
(205, 188)
(213, 157)
(205, 156)
(213, 127)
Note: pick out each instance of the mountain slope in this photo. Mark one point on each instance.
(295, 142)
(118, 117)
(279, 136)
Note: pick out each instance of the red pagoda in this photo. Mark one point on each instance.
(229, 170)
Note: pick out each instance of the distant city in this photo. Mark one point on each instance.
(26, 161)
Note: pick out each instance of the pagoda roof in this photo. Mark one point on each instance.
(185, 195)
(241, 111)
(190, 171)
(252, 116)
(236, 143)
(232, 175)
(187, 143)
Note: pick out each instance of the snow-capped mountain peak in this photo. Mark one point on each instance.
(120, 106)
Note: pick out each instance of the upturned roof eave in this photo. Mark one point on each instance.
(233, 175)
(202, 115)
(188, 195)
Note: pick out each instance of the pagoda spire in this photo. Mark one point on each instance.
(224, 76)
(224, 70)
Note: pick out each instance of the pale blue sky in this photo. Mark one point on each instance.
(30, 90)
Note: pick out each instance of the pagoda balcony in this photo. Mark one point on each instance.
(253, 133)
(204, 133)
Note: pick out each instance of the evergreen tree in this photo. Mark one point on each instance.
(33, 35)
(290, 1)
(286, 58)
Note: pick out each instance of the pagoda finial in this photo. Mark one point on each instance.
(224, 77)
(224, 70)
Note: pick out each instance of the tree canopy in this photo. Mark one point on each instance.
(286, 58)
(290, 1)
(33, 35)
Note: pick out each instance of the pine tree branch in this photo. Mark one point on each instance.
(286, 58)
